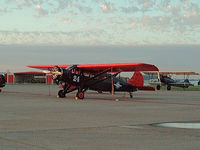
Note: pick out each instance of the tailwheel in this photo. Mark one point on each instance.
(158, 87)
(61, 94)
(79, 95)
(168, 87)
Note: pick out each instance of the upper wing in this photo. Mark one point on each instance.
(113, 67)
(46, 67)
(173, 72)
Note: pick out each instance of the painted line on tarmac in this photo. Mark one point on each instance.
(27, 93)
(147, 101)
(24, 143)
(162, 102)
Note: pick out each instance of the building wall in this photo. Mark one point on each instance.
(10, 78)
(29, 78)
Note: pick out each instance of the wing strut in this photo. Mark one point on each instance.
(112, 85)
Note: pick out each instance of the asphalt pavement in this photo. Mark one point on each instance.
(33, 118)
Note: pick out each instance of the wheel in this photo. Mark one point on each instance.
(61, 94)
(131, 95)
(168, 87)
(80, 95)
(158, 87)
(0, 90)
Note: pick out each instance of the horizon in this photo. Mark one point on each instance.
(166, 58)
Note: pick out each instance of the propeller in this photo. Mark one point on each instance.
(47, 72)
(58, 73)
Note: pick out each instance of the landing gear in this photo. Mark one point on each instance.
(158, 87)
(79, 95)
(64, 91)
(168, 87)
(131, 94)
(61, 94)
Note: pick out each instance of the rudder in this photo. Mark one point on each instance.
(137, 79)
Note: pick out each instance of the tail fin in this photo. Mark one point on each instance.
(137, 79)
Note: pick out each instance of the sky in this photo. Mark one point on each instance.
(99, 22)
(163, 32)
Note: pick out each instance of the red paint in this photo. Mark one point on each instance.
(10, 78)
(61, 87)
(49, 79)
(137, 79)
(6, 76)
(116, 67)
(146, 88)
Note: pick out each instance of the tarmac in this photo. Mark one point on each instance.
(32, 118)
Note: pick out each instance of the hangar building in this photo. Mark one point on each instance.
(29, 77)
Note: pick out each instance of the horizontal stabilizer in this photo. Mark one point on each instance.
(146, 88)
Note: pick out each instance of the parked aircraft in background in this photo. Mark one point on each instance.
(98, 77)
(164, 78)
(2, 81)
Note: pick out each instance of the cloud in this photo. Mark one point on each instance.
(40, 11)
(77, 37)
(65, 20)
(83, 9)
(113, 18)
(21, 3)
(131, 9)
(146, 5)
(62, 4)
(107, 7)
(3, 11)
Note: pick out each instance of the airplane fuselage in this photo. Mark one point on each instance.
(97, 84)
(118, 86)
(170, 82)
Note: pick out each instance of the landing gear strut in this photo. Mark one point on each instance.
(131, 94)
(66, 89)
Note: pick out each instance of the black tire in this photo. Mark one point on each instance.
(61, 94)
(80, 95)
(0, 90)
(131, 95)
(168, 87)
(158, 87)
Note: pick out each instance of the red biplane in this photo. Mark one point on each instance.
(98, 77)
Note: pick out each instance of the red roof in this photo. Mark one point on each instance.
(31, 72)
